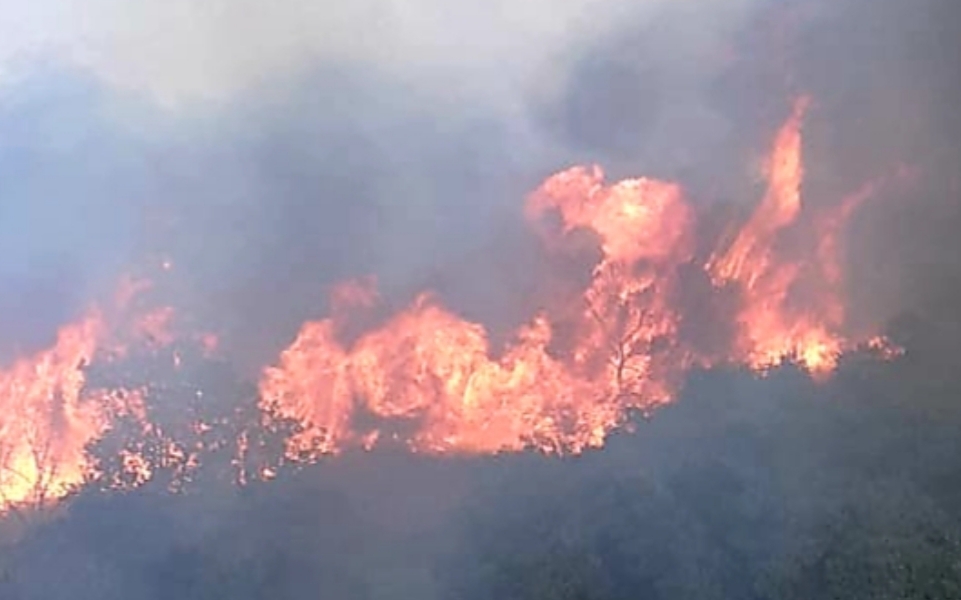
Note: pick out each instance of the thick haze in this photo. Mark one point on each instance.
(269, 149)
(182, 51)
(272, 149)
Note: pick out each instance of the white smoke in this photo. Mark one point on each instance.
(181, 51)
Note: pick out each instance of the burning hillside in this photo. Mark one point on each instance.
(573, 373)
(433, 381)
(49, 411)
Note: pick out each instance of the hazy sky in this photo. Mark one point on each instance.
(306, 140)
(271, 147)
(184, 50)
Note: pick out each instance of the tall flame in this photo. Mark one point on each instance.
(771, 327)
(48, 412)
(45, 422)
(571, 375)
(436, 382)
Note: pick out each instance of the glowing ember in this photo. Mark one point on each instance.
(48, 414)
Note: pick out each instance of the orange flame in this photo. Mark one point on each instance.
(571, 375)
(771, 328)
(48, 416)
(45, 419)
(429, 379)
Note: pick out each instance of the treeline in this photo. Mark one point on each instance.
(751, 487)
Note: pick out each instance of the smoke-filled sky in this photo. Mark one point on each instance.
(271, 148)
(182, 52)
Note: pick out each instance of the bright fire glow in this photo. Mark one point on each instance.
(619, 348)
(429, 379)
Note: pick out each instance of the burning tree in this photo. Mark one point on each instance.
(191, 421)
(48, 418)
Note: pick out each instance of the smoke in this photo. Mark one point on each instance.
(888, 105)
(69, 203)
(182, 52)
(273, 150)
(269, 150)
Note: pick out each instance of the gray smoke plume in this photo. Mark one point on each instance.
(270, 149)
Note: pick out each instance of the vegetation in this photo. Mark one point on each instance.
(758, 488)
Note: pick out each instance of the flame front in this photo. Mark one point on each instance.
(45, 423)
(573, 373)
(48, 412)
(770, 326)
(427, 378)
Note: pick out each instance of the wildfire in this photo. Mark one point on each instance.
(569, 376)
(48, 413)
(45, 423)
(770, 326)
(435, 382)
